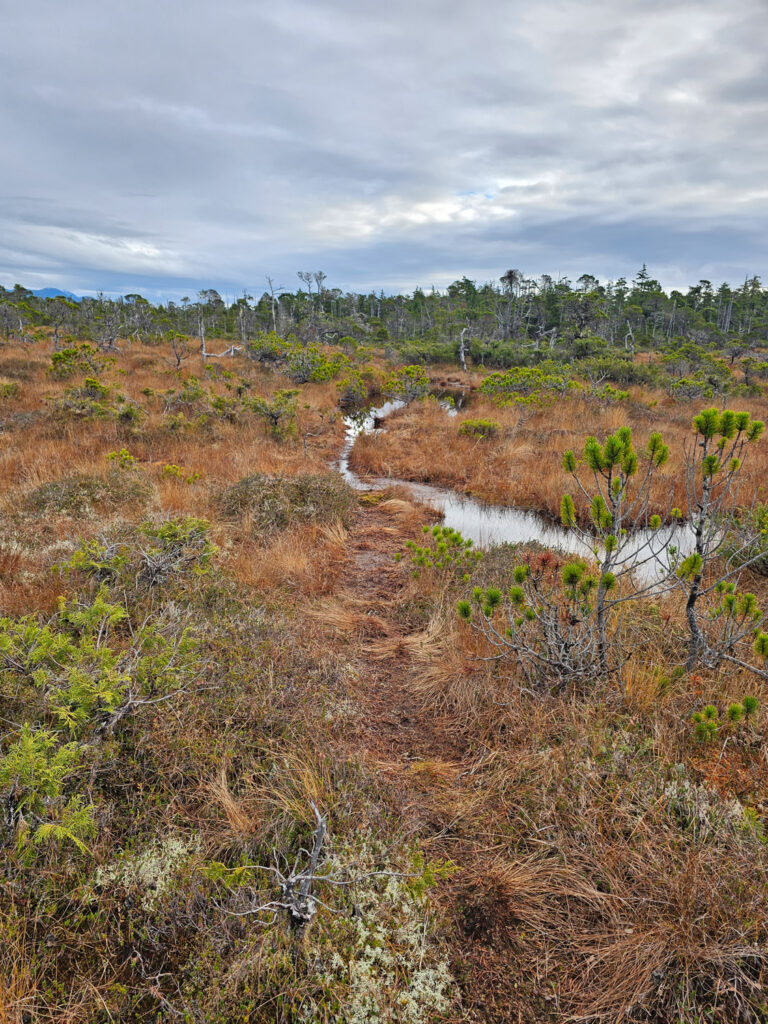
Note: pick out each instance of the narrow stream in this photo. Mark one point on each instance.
(487, 525)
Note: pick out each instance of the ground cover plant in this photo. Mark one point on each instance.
(273, 749)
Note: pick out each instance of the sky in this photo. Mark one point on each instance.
(164, 147)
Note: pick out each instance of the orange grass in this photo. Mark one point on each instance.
(522, 464)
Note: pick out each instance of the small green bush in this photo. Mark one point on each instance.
(707, 723)
(77, 359)
(479, 428)
(312, 365)
(407, 384)
(528, 384)
(277, 411)
(445, 550)
(353, 389)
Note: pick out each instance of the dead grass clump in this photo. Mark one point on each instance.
(406, 514)
(243, 815)
(661, 914)
(500, 899)
(275, 502)
(19, 975)
(339, 616)
(21, 368)
(306, 559)
(684, 939)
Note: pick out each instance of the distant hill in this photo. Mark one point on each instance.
(51, 293)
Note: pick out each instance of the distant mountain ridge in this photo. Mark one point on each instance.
(51, 293)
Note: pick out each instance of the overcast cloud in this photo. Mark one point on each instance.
(166, 146)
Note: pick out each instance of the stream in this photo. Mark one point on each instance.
(488, 525)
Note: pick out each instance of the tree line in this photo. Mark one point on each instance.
(544, 317)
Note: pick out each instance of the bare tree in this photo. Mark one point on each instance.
(274, 301)
(180, 347)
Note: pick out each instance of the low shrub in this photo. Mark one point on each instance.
(407, 384)
(84, 358)
(81, 494)
(479, 428)
(276, 502)
(527, 384)
(278, 411)
(445, 550)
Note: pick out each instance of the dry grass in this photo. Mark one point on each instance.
(243, 815)
(18, 981)
(307, 560)
(521, 465)
(44, 448)
(594, 884)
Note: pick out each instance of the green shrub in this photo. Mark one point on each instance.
(407, 384)
(122, 459)
(278, 411)
(151, 554)
(311, 364)
(174, 472)
(175, 546)
(707, 723)
(527, 384)
(353, 389)
(74, 678)
(479, 428)
(445, 550)
(83, 358)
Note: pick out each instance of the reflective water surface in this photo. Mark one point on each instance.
(491, 524)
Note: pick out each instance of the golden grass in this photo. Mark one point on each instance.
(301, 778)
(48, 446)
(18, 981)
(521, 465)
(243, 816)
(306, 560)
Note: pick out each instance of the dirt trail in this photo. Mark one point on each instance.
(395, 725)
(420, 754)
(424, 757)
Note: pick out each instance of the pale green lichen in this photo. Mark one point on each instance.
(150, 869)
(384, 964)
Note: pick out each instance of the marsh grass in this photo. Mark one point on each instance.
(604, 865)
(521, 463)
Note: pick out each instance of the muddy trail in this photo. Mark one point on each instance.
(374, 617)
(431, 772)
(373, 590)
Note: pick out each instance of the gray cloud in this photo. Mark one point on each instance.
(166, 147)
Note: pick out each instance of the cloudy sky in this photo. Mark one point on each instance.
(170, 145)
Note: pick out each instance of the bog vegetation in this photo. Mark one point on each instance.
(276, 749)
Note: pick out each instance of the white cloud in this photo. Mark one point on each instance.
(160, 145)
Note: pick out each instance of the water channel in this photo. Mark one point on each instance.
(488, 525)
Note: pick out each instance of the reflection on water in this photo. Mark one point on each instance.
(490, 524)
